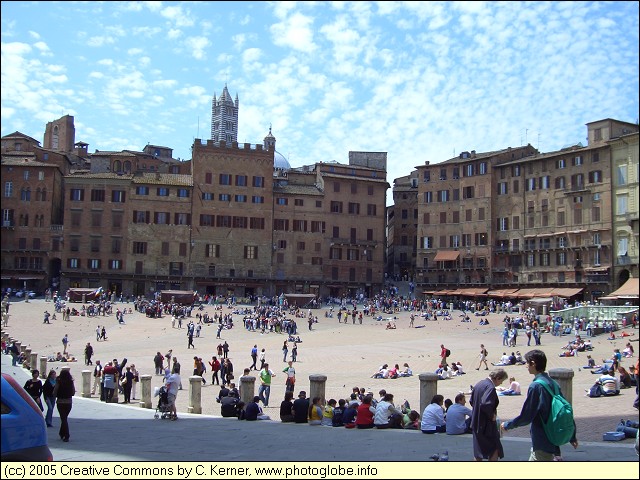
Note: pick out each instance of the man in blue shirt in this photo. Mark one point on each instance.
(536, 409)
(458, 417)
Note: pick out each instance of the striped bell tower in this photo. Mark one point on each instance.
(224, 118)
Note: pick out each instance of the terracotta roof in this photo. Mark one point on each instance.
(164, 179)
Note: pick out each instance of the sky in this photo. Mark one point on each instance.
(422, 81)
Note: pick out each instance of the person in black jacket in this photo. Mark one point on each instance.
(34, 388)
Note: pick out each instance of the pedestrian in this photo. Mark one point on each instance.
(254, 357)
(167, 356)
(176, 369)
(443, 355)
(136, 380)
(158, 361)
(484, 402)
(225, 349)
(103, 333)
(285, 351)
(220, 326)
(33, 387)
(65, 343)
(49, 398)
(294, 352)
(46, 317)
(127, 384)
(483, 357)
(88, 353)
(215, 368)
(265, 384)
(98, 333)
(262, 358)
(64, 391)
(190, 337)
(228, 370)
(537, 407)
(219, 350)
(97, 379)
(291, 377)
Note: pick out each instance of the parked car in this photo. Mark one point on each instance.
(23, 432)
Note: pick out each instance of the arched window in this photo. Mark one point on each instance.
(117, 166)
(127, 166)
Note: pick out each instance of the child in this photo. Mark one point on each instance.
(327, 413)
(411, 420)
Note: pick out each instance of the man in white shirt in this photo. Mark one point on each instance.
(458, 417)
(173, 385)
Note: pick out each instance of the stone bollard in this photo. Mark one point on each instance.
(27, 359)
(86, 383)
(428, 388)
(33, 363)
(67, 368)
(317, 387)
(195, 394)
(43, 367)
(23, 348)
(564, 377)
(18, 345)
(145, 391)
(247, 388)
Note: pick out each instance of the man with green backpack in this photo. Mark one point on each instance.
(548, 412)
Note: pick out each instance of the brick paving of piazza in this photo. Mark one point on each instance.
(347, 354)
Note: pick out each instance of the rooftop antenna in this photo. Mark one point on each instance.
(526, 136)
(198, 135)
(538, 147)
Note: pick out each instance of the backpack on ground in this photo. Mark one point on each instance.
(560, 425)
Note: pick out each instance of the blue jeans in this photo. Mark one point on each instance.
(263, 392)
(51, 403)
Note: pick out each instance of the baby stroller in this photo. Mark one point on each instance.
(163, 411)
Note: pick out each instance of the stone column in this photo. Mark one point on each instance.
(33, 363)
(86, 383)
(43, 367)
(247, 388)
(428, 388)
(564, 377)
(195, 394)
(317, 387)
(23, 348)
(27, 357)
(145, 391)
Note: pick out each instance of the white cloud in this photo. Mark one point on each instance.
(178, 16)
(294, 32)
(197, 46)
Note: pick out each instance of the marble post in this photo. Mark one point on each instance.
(195, 394)
(428, 388)
(145, 391)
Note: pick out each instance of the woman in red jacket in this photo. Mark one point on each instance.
(364, 417)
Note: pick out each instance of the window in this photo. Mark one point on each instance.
(531, 260)
(224, 197)
(282, 201)
(454, 241)
(140, 248)
(561, 163)
(258, 182)
(300, 246)
(241, 180)
(503, 224)
(531, 184)
(240, 222)
(621, 174)
(562, 242)
(336, 187)
(299, 225)
(561, 219)
(207, 196)
(208, 178)
(426, 176)
(282, 244)
(223, 221)
(97, 195)
(317, 226)
(183, 193)
(622, 203)
(483, 168)
(73, 263)
(118, 196)
(76, 194)
(595, 214)
(142, 190)
(561, 258)
(96, 219)
(8, 189)
(623, 246)
(354, 208)
(280, 224)
(256, 223)
(298, 202)
(335, 253)
(467, 192)
(240, 199)
(371, 209)
(427, 242)
(257, 199)
(116, 245)
(443, 217)
(165, 249)
(577, 160)
(140, 216)
(161, 218)
(224, 179)
(545, 182)
(212, 251)
(115, 264)
(25, 194)
(456, 173)
(597, 134)
(544, 259)
(595, 176)
(443, 174)
(251, 252)
(94, 264)
(336, 207)
(469, 170)
(428, 197)
(162, 192)
(503, 188)
(443, 196)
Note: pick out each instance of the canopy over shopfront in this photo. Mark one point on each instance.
(300, 299)
(446, 256)
(627, 291)
(181, 297)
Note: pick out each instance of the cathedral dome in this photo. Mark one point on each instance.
(279, 162)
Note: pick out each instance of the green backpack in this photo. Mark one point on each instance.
(560, 425)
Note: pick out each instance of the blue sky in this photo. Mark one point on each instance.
(422, 81)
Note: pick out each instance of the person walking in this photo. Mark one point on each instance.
(190, 337)
(225, 349)
(483, 357)
(98, 333)
(33, 387)
(49, 397)
(537, 407)
(215, 368)
(484, 402)
(65, 343)
(88, 353)
(176, 369)
(158, 361)
(265, 384)
(254, 358)
(47, 315)
(294, 352)
(103, 333)
(263, 355)
(64, 391)
(285, 351)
